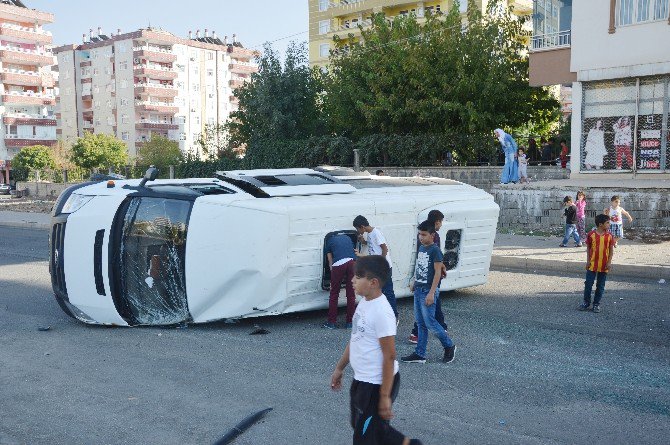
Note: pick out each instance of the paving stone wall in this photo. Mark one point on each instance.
(538, 208)
(481, 177)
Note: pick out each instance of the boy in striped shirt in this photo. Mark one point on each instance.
(599, 253)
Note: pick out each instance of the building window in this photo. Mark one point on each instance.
(109, 103)
(123, 47)
(324, 50)
(124, 84)
(210, 56)
(94, 54)
(323, 5)
(210, 73)
(125, 136)
(195, 87)
(124, 102)
(96, 90)
(181, 119)
(182, 136)
(324, 27)
(125, 119)
(123, 65)
(637, 11)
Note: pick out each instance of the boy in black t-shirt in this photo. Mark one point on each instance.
(427, 275)
(570, 214)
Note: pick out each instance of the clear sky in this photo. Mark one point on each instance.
(254, 21)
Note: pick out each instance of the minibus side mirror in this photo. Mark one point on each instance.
(150, 175)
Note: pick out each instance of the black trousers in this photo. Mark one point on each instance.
(369, 428)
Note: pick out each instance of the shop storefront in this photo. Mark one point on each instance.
(625, 126)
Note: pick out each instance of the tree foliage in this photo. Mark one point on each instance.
(214, 142)
(159, 151)
(439, 77)
(36, 157)
(280, 102)
(99, 151)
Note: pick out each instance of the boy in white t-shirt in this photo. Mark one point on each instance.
(371, 352)
(377, 246)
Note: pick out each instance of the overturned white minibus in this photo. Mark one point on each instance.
(245, 243)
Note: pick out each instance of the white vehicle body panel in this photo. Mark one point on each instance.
(247, 256)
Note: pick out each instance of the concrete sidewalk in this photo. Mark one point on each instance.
(25, 219)
(541, 253)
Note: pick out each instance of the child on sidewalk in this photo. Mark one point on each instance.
(371, 352)
(341, 260)
(581, 215)
(427, 275)
(616, 214)
(599, 253)
(570, 213)
(377, 246)
(436, 217)
(523, 166)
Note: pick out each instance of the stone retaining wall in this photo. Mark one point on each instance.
(41, 189)
(481, 177)
(537, 208)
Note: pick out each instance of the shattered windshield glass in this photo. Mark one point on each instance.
(153, 248)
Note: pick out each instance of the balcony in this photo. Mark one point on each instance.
(551, 41)
(13, 54)
(21, 77)
(348, 6)
(157, 107)
(85, 63)
(14, 140)
(241, 53)
(28, 119)
(9, 31)
(28, 98)
(236, 83)
(154, 53)
(352, 26)
(156, 90)
(87, 96)
(155, 72)
(156, 125)
(242, 67)
(549, 59)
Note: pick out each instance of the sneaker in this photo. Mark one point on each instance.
(596, 308)
(329, 326)
(579, 245)
(413, 338)
(413, 358)
(584, 307)
(562, 245)
(449, 354)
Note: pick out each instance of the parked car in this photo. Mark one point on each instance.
(5, 189)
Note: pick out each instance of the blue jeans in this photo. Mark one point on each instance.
(600, 278)
(387, 290)
(571, 230)
(425, 320)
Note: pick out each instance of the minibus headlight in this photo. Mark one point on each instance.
(75, 202)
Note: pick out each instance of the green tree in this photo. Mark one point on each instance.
(159, 151)
(99, 151)
(36, 157)
(436, 77)
(214, 142)
(279, 102)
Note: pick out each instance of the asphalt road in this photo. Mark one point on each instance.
(530, 369)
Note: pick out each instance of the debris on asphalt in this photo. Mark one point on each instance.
(259, 331)
(661, 281)
(44, 328)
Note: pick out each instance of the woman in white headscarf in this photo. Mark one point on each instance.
(510, 171)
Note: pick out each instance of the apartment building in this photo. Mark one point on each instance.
(330, 18)
(149, 82)
(26, 81)
(615, 55)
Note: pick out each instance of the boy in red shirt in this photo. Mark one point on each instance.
(599, 253)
